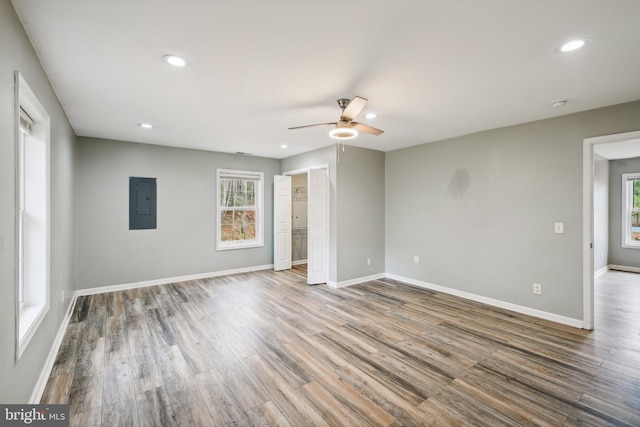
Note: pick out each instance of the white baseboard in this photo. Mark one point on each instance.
(490, 301)
(113, 288)
(355, 281)
(43, 378)
(601, 271)
(302, 261)
(624, 268)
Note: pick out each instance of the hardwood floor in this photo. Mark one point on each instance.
(265, 349)
(300, 270)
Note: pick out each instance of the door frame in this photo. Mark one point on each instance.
(588, 280)
(306, 170)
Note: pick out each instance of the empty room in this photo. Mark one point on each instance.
(295, 213)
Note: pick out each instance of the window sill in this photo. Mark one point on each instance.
(31, 316)
(628, 246)
(239, 246)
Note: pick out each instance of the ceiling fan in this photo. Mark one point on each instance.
(346, 128)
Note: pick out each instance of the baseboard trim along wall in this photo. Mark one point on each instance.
(113, 288)
(490, 301)
(355, 281)
(601, 271)
(41, 384)
(624, 268)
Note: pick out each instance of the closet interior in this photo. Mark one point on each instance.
(299, 219)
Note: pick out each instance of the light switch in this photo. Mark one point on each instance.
(558, 228)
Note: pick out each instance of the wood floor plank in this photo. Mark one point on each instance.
(87, 397)
(116, 415)
(268, 415)
(363, 406)
(263, 348)
(160, 333)
(246, 389)
(298, 411)
(115, 305)
(145, 373)
(89, 365)
(174, 369)
(91, 417)
(154, 408)
(68, 353)
(402, 409)
(190, 346)
(118, 383)
(332, 410)
(225, 409)
(58, 389)
(116, 338)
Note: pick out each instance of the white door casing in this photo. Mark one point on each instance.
(281, 222)
(318, 226)
(587, 215)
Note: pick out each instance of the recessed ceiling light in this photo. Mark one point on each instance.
(558, 104)
(145, 125)
(371, 116)
(573, 45)
(175, 60)
(284, 146)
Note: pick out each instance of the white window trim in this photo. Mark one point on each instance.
(627, 189)
(29, 316)
(259, 241)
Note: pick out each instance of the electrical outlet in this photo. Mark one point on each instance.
(537, 288)
(416, 260)
(558, 228)
(368, 261)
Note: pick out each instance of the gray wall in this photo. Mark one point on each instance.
(600, 212)
(184, 243)
(360, 213)
(617, 254)
(479, 210)
(19, 378)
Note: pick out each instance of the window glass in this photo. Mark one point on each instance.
(239, 209)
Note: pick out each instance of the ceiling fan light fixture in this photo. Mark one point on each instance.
(343, 133)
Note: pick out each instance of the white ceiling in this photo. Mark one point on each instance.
(431, 69)
(618, 150)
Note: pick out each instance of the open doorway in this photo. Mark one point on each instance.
(602, 211)
(301, 223)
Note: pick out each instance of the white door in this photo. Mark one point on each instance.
(318, 227)
(281, 222)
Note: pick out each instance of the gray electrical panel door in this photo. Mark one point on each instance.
(142, 203)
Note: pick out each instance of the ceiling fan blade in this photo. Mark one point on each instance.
(353, 109)
(310, 126)
(361, 127)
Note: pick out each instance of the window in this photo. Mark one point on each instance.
(32, 213)
(240, 217)
(631, 210)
